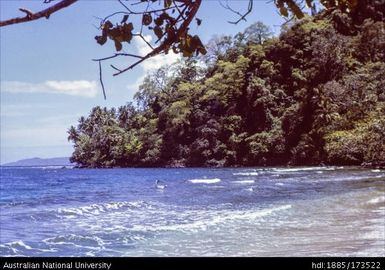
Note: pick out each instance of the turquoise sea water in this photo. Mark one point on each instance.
(311, 211)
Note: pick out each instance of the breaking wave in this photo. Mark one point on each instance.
(305, 169)
(246, 173)
(202, 222)
(205, 181)
(377, 200)
(97, 209)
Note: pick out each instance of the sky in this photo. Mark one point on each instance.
(48, 78)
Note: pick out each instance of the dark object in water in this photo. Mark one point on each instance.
(159, 185)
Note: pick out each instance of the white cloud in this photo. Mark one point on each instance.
(152, 63)
(74, 88)
(155, 62)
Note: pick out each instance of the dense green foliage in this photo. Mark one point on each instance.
(314, 95)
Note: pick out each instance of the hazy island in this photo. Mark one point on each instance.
(314, 95)
(41, 162)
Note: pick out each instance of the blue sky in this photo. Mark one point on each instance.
(48, 79)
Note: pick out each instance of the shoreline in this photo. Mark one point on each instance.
(379, 166)
(367, 165)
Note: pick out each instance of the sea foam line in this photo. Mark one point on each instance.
(246, 173)
(15, 247)
(380, 199)
(217, 218)
(244, 182)
(304, 169)
(205, 181)
(96, 209)
(81, 241)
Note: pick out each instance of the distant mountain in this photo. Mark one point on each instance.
(59, 161)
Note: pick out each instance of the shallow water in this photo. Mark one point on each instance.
(311, 211)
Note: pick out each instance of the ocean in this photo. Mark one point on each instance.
(300, 211)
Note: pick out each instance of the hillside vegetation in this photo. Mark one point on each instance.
(315, 95)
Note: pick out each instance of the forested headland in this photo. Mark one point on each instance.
(314, 95)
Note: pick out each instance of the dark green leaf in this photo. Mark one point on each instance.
(101, 39)
(284, 11)
(125, 18)
(202, 50)
(295, 9)
(158, 31)
(118, 45)
(167, 3)
(129, 26)
(147, 19)
(107, 25)
(279, 3)
(159, 21)
(187, 53)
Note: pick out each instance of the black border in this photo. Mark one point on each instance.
(180, 263)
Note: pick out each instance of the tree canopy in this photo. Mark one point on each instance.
(315, 95)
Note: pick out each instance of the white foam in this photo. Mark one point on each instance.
(8, 247)
(89, 242)
(304, 169)
(244, 182)
(376, 170)
(279, 184)
(380, 199)
(90, 254)
(205, 181)
(15, 247)
(96, 209)
(246, 173)
(216, 219)
(19, 243)
(360, 177)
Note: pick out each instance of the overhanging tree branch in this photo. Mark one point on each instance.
(242, 17)
(170, 39)
(30, 16)
(172, 32)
